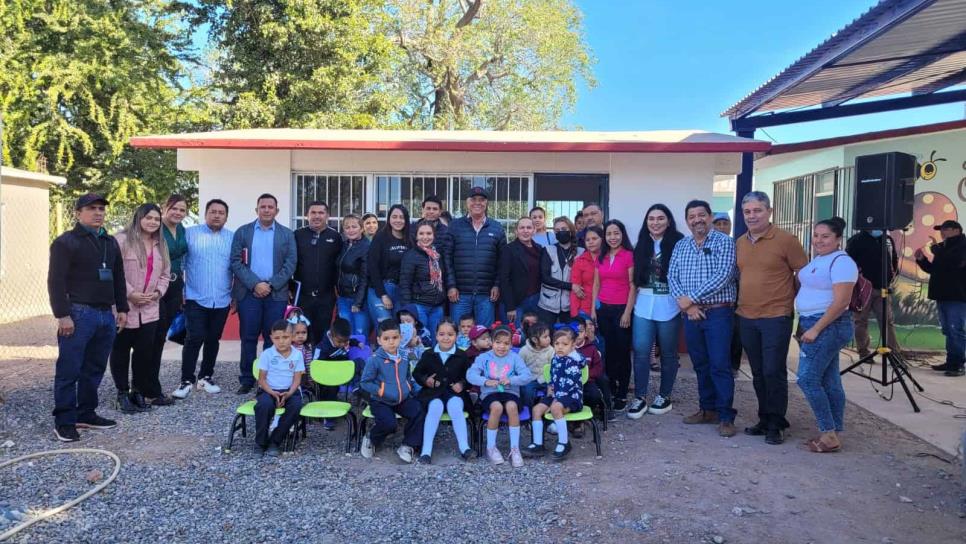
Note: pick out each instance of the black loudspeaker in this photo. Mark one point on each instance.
(885, 186)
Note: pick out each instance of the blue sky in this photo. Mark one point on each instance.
(678, 64)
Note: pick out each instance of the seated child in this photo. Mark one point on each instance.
(597, 388)
(536, 353)
(442, 372)
(564, 394)
(421, 337)
(386, 378)
(280, 370)
(500, 373)
(480, 342)
(334, 347)
(467, 322)
(528, 320)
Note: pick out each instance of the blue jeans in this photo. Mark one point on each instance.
(765, 340)
(377, 311)
(81, 362)
(818, 371)
(429, 316)
(255, 316)
(645, 332)
(709, 345)
(952, 318)
(359, 321)
(528, 304)
(479, 306)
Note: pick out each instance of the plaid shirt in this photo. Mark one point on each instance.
(706, 275)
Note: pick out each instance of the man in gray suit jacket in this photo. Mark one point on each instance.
(263, 257)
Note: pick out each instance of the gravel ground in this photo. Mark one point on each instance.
(659, 481)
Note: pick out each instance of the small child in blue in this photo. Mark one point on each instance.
(280, 370)
(565, 394)
(467, 322)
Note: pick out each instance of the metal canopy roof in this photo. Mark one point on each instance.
(898, 46)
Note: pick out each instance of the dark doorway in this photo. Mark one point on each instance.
(566, 194)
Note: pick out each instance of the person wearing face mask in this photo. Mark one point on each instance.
(556, 265)
(520, 272)
(865, 248)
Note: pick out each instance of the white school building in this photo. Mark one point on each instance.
(358, 171)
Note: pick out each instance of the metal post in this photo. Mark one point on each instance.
(743, 184)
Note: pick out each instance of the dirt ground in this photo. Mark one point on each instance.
(662, 481)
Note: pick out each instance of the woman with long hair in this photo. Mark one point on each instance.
(582, 273)
(541, 234)
(147, 269)
(173, 212)
(614, 295)
(352, 284)
(656, 312)
(386, 251)
(422, 277)
(556, 265)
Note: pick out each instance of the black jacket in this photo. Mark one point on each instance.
(644, 252)
(73, 277)
(947, 271)
(515, 274)
(473, 258)
(385, 257)
(353, 279)
(414, 284)
(866, 251)
(315, 265)
(454, 371)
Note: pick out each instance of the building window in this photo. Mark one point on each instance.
(344, 193)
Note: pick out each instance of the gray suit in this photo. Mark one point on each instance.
(283, 261)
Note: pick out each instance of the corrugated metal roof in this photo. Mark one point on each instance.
(898, 46)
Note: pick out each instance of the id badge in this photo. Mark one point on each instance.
(105, 274)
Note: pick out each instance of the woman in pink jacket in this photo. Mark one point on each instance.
(147, 270)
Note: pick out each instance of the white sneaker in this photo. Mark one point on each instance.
(637, 408)
(661, 405)
(494, 456)
(405, 453)
(208, 386)
(183, 391)
(516, 460)
(552, 428)
(366, 449)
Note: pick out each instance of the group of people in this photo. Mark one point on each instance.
(590, 289)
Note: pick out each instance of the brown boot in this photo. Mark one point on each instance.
(726, 429)
(701, 416)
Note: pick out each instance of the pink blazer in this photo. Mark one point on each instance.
(134, 274)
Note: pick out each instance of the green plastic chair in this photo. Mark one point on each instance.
(366, 416)
(331, 373)
(245, 410)
(586, 414)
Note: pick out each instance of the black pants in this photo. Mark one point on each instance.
(597, 393)
(552, 318)
(384, 417)
(134, 349)
(319, 310)
(203, 327)
(265, 412)
(736, 348)
(766, 343)
(170, 306)
(617, 361)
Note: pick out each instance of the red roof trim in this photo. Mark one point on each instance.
(484, 147)
(867, 137)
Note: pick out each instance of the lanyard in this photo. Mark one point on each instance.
(104, 257)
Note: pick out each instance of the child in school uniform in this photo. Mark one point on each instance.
(536, 353)
(280, 370)
(387, 380)
(499, 373)
(334, 347)
(565, 394)
(442, 372)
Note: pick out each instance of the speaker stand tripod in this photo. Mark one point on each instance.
(887, 358)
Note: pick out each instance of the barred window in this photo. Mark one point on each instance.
(344, 193)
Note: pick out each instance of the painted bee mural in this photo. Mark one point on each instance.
(929, 169)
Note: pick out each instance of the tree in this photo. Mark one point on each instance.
(78, 78)
(489, 64)
(301, 63)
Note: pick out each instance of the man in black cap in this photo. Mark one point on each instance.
(86, 286)
(318, 246)
(947, 286)
(475, 243)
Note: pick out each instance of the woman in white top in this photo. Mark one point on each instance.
(656, 313)
(822, 304)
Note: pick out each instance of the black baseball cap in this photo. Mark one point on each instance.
(88, 199)
(478, 191)
(948, 224)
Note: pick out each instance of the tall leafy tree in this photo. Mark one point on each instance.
(489, 64)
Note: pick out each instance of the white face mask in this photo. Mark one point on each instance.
(875, 233)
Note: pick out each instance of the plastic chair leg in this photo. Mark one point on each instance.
(234, 427)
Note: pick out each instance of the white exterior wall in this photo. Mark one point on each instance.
(636, 179)
(23, 249)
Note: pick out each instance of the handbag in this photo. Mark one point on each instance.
(861, 291)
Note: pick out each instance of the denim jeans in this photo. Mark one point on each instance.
(952, 318)
(429, 316)
(255, 316)
(528, 304)
(479, 306)
(359, 321)
(709, 345)
(765, 340)
(203, 327)
(818, 371)
(81, 362)
(384, 418)
(645, 332)
(377, 311)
